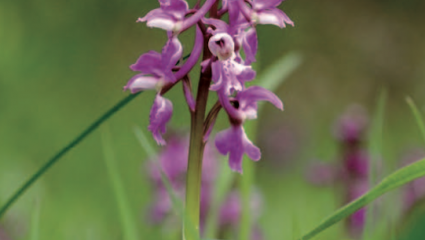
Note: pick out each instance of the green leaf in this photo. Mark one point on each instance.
(417, 115)
(393, 181)
(126, 213)
(270, 79)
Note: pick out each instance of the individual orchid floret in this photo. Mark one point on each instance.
(247, 39)
(265, 12)
(233, 141)
(245, 104)
(160, 114)
(155, 68)
(169, 16)
(222, 46)
(156, 71)
(228, 75)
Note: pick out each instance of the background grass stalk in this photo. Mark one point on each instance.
(66, 149)
(393, 181)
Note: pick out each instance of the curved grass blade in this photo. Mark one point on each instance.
(127, 220)
(270, 79)
(393, 181)
(417, 115)
(375, 150)
(66, 149)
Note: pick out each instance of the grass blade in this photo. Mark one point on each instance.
(417, 115)
(375, 152)
(66, 149)
(35, 222)
(127, 221)
(393, 181)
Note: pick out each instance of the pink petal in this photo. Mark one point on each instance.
(159, 116)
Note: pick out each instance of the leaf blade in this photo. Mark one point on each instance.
(393, 181)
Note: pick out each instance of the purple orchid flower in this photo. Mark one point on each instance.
(226, 68)
(265, 12)
(233, 141)
(352, 172)
(156, 71)
(169, 16)
(228, 75)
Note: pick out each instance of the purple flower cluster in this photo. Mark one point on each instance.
(222, 44)
(172, 161)
(353, 170)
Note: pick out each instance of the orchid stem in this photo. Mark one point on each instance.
(196, 152)
(66, 149)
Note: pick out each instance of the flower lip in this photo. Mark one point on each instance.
(222, 46)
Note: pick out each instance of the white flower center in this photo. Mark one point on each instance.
(222, 46)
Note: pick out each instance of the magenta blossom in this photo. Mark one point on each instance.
(168, 17)
(233, 141)
(225, 69)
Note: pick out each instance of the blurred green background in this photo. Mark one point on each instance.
(63, 63)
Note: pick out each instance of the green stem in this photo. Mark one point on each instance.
(196, 152)
(66, 149)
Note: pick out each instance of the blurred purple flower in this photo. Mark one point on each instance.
(322, 174)
(231, 210)
(353, 170)
(3, 235)
(351, 126)
(172, 161)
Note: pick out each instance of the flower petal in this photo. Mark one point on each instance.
(177, 8)
(274, 16)
(171, 53)
(142, 82)
(159, 19)
(148, 63)
(233, 141)
(266, 4)
(256, 93)
(250, 45)
(159, 116)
